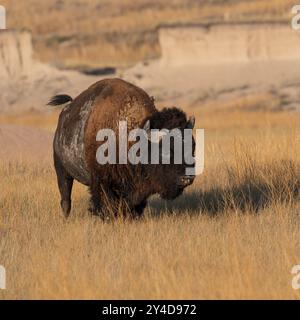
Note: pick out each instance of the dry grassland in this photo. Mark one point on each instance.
(234, 234)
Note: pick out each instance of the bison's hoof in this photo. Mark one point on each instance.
(66, 207)
(94, 211)
(99, 213)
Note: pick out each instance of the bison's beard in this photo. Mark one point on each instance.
(171, 194)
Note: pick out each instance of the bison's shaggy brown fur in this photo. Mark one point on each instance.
(128, 186)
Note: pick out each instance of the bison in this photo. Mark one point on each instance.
(103, 105)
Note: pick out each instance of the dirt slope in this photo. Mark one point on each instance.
(27, 84)
(25, 143)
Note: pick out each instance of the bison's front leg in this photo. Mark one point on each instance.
(95, 190)
(104, 202)
(139, 209)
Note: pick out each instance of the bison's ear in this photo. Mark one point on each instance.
(191, 123)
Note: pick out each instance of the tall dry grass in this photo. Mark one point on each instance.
(234, 234)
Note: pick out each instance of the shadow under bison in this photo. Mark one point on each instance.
(248, 197)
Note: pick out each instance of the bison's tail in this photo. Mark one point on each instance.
(59, 99)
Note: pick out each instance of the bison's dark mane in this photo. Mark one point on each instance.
(168, 118)
(135, 178)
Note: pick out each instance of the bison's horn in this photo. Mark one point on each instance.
(147, 127)
(191, 123)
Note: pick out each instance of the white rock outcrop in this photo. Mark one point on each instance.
(228, 44)
(26, 83)
(15, 54)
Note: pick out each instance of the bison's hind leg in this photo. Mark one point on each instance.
(65, 184)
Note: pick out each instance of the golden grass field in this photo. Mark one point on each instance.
(89, 33)
(234, 234)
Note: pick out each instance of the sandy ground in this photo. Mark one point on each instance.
(32, 93)
(193, 85)
(25, 143)
(185, 86)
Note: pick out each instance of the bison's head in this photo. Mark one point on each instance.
(171, 179)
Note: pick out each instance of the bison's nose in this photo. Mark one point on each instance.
(186, 180)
